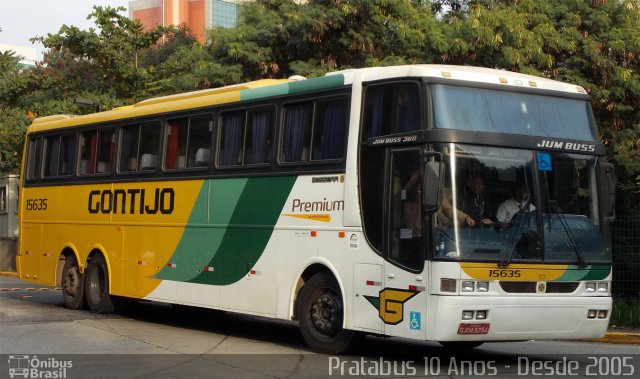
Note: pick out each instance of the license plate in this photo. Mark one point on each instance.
(482, 328)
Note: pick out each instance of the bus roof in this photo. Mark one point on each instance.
(273, 87)
(478, 75)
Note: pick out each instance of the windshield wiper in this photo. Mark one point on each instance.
(565, 225)
(508, 256)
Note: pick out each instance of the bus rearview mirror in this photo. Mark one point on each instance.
(432, 186)
(608, 175)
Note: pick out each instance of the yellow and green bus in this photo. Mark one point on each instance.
(367, 201)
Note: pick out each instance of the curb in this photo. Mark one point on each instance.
(619, 337)
(9, 274)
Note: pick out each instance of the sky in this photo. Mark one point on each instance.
(21, 20)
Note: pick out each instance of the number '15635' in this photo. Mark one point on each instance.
(504, 273)
(36, 204)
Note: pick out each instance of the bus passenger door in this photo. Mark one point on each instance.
(403, 299)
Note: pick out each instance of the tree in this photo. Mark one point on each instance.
(181, 64)
(113, 49)
(278, 38)
(13, 125)
(8, 62)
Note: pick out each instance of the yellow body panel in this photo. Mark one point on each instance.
(519, 272)
(92, 225)
(180, 102)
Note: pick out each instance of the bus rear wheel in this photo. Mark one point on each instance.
(320, 311)
(72, 284)
(97, 286)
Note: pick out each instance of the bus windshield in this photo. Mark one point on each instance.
(506, 205)
(486, 110)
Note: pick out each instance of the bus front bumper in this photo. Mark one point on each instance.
(515, 319)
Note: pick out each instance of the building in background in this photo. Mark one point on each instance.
(27, 54)
(198, 15)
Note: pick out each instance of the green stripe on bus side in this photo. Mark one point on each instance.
(228, 190)
(251, 227)
(594, 272)
(200, 242)
(315, 84)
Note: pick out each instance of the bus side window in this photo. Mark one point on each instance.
(106, 151)
(66, 164)
(231, 138)
(297, 129)
(88, 141)
(329, 129)
(185, 138)
(34, 158)
(177, 131)
(51, 154)
(140, 145)
(199, 140)
(129, 149)
(258, 136)
(149, 145)
(391, 108)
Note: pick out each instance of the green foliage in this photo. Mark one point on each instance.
(278, 38)
(112, 49)
(625, 313)
(189, 68)
(173, 39)
(13, 125)
(8, 62)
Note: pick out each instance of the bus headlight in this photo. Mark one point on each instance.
(467, 286)
(467, 315)
(590, 287)
(603, 287)
(482, 286)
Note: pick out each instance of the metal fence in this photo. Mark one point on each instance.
(625, 239)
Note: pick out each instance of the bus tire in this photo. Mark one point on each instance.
(320, 312)
(72, 283)
(97, 286)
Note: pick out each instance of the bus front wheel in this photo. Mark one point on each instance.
(320, 311)
(97, 286)
(72, 284)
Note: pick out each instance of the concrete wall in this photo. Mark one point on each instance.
(9, 206)
(8, 222)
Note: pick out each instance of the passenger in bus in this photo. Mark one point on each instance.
(445, 213)
(508, 209)
(472, 204)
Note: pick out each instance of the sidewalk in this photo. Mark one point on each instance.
(612, 336)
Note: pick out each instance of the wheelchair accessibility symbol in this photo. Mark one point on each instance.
(544, 162)
(415, 320)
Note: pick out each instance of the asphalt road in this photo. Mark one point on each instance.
(149, 340)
